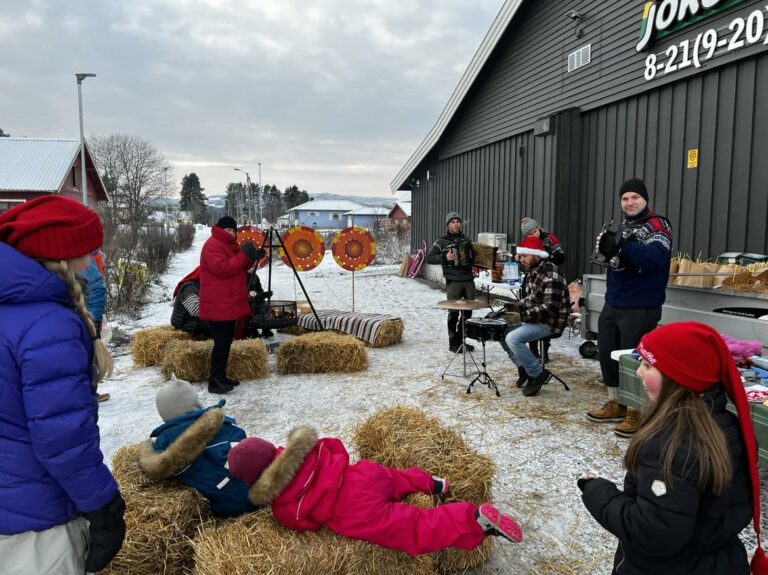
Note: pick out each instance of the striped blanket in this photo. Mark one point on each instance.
(364, 326)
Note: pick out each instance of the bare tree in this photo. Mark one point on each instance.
(134, 170)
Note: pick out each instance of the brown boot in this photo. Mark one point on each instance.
(629, 425)
(102, 397)
(611, 412)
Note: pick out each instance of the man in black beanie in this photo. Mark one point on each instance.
(459, 280)
(634, 295)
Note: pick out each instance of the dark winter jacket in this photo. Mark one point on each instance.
(223, 282)
(645, 257)
(186, 309)
(553, 247)
(437, 254)
(50, 461)
(677, 529)
(303, 481)
(545, 297)
(193, 448)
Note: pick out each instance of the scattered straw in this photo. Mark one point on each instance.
(303, 307)
(389, 333)
(294, 330)
(148, 344)
(160, 517)
(403, 437)
(192, 360)
(256, 544)
(321, 352)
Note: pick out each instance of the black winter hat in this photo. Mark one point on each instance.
(227, 222)
(634, 185)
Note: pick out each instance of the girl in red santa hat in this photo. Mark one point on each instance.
(692, 483)
(310, 484)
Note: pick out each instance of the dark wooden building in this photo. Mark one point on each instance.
(565, 100)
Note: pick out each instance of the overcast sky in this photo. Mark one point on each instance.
(330, 95)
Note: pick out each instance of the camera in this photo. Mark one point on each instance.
(607, 250)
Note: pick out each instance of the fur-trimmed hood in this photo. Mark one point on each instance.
(184, 450)
(279, 474)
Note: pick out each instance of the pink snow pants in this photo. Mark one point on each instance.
(368, 507)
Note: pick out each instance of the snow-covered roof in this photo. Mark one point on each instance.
(35, 165)
(406, 207)
(504, 17)
(327, 206)
(368, 211)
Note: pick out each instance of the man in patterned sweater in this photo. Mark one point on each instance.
(634, 295)
(542, 311)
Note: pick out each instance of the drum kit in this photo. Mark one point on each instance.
(480, 329)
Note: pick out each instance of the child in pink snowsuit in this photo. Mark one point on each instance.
(310, 483)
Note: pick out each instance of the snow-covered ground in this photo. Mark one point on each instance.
(540, 445)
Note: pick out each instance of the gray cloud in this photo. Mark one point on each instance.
(330, 95)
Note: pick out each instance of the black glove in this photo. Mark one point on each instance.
(250, 250)
(107, 531)
(268, 294)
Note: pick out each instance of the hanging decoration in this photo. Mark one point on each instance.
(353, 248)
(256, 236)
(305, 246)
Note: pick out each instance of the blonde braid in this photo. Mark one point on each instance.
(101, 357)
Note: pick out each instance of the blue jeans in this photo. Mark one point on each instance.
(515, 343)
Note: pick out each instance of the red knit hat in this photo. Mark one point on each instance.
(694, 355)
(248, 459)
(51, 227)
(532, 246)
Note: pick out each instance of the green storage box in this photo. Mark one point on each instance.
(631, 393)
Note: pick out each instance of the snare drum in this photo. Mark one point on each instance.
(483, 329)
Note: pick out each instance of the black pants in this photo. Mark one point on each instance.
(458, 290)
(223, 332)
(621, 329)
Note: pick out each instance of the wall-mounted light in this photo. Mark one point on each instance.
(577, 18)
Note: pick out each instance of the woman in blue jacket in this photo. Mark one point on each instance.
(57, 494)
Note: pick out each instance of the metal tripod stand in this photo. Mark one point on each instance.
(482, 376)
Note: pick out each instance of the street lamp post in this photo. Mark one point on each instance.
(83, 179)
(261, 193)
(248, 200)
(165, 193)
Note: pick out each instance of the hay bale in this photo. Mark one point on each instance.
(402, 437)
(161, 518)
(192, 360)
(294, 330)
(255, 544)
(303, 306)
(321, 352)
(148, 344)
(390, 332)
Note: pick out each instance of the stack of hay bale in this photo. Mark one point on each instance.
(191, 360)
(404, 437)
(161, 518)
(149, 344)
(321, 352)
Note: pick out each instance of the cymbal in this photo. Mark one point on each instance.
(461, 304)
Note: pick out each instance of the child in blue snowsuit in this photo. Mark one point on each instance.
(192, 445)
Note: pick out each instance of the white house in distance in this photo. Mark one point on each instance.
(322, 214)
(367, 216)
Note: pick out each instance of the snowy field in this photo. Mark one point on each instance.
(540, 445)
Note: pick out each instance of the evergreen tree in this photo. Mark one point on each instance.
(3, 134)
(293, 196)
(192, 197)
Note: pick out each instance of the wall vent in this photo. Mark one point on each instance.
(580, 58)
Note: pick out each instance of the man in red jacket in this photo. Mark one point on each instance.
(224, 294)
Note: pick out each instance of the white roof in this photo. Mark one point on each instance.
(369, 211)
(35, 165)
(327, 206)
(485, 50)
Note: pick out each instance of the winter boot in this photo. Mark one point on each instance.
(232, 382)
(534, 385)
(266, 332)
(611, 412)
(493, 522)
(522, 377)
(102, 397)
(439, 485)
(629, 426)
(219, 385)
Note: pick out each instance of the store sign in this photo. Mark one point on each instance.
(745, 30)
(693, 158)
(668, 16)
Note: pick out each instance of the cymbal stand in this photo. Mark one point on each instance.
(483, 377)
(464, 353)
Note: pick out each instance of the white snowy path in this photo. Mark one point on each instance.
(540, 445)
